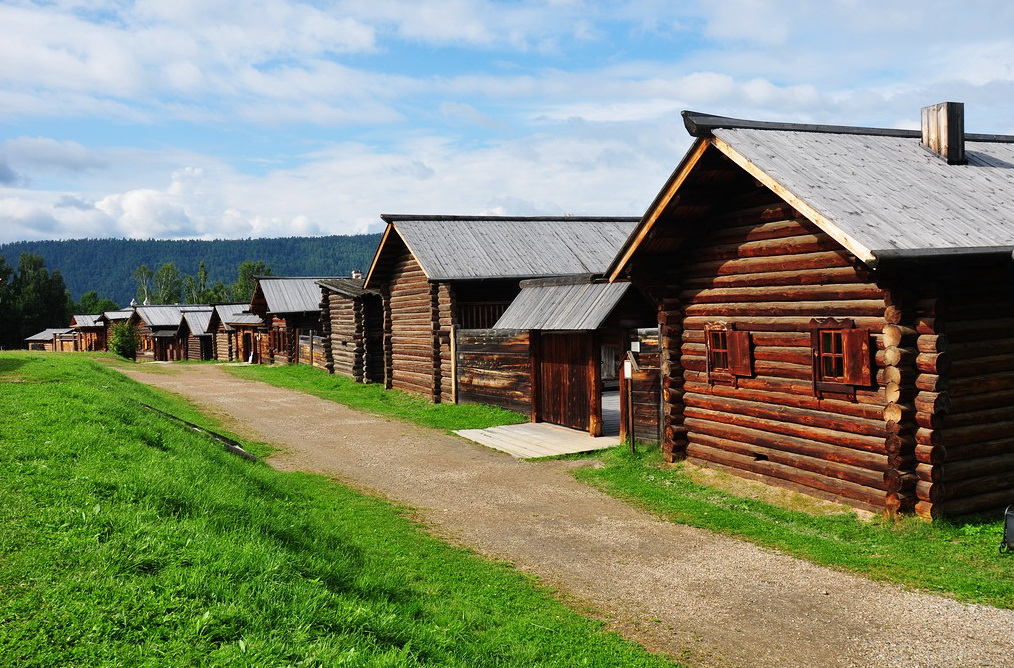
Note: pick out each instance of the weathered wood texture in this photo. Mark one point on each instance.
(412, 337)
(494, 367)
(770, 272)
(353, 332)
(965, 440)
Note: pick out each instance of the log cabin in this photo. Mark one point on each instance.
(289, 307)
(222, 323)
(352, 324)
(91, 332)
(577, 331)
(437, 273)
(836, 309)
(160, 329)
(47, 339)
(198, 338)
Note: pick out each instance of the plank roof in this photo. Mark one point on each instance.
(879, 192)
(562, 305)
(198, 319)
(113, 316)
(48, 334)
(236, 314)
(86, 320)
(450, 248)
(286, 294)
(161, 316)
(350, 287)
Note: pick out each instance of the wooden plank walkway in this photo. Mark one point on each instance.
(541, 439)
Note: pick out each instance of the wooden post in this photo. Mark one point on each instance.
(594, 385)
(534, 358)
(454, 363)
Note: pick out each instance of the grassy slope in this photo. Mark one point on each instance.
(126, 539)
(959, 558)
(373, 398)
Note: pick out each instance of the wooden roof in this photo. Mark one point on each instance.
(48, 334)
(162, 316)
(79, 321)
(878, 192)
(289, 294)
(562, 305)
(350, 287)
(454, 248)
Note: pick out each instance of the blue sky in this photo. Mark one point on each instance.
(211, 119)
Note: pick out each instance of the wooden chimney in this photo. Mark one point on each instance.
(943, 131)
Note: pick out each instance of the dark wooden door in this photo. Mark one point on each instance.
(565, 390)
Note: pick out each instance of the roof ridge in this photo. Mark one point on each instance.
(400, 217)
(699, 124)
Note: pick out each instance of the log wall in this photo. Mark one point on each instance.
(311, 351)
(769, 272)
(412, 337)
(494, 367)
(964, 359)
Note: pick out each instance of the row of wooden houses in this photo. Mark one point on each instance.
(825, 308)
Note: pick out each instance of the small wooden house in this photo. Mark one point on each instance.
(225, 336)
(352, 324)
(161, 331)
(290, 309)
(836, 309)
(48, 339)
(437, 273)
(91, 332)
(198, 339)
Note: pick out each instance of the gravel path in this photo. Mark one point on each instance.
(702, 598)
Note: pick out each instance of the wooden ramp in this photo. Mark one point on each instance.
(537, 439)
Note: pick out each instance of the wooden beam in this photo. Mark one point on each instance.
(658, 206)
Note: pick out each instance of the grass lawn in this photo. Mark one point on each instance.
(128, 539)
(373, 398)
(957, 557)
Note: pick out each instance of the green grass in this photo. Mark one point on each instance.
(373, 398)
(958, 558)
(127, 539)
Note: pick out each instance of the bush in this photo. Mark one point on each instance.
(124, 340)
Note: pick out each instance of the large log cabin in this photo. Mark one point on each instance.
(161, 332)
(290, 308)
(352, 324)
(198, 338)
(226, 324)
(47, 339)
(437, 273)
(836, 309)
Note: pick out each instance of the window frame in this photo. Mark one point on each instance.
(737, 354)
(854, 355)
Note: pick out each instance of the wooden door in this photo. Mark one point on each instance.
(566, 388)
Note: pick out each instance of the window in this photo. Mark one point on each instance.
(728, 353)
(841, 357)
(480, 315)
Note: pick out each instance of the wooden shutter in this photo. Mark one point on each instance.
(856, 349)
(740, 360)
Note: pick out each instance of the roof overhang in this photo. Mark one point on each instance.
(562, 304)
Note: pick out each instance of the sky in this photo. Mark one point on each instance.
(206, 119)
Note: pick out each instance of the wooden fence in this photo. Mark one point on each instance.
(494, 367)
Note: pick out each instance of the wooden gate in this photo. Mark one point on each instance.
(568, 391)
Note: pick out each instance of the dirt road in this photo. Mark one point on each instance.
(702, 598)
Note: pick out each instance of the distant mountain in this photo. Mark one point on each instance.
(107, 265)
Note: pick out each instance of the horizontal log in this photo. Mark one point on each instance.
(896, 335)
(932, 402)
(896, 375)
(930, 454)
(795, 262)
(793, 414)
(870, 476)
(776, 278)
(803, 243)
(929, 382)
(783, 323)
(982, 348)
(777, 398)
(699, 418)
(931, 343)
(938, 363)
(977, 503)
(819, 292)
(971, 330)
(810, 309)
(840, 490)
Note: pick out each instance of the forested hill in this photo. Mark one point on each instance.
(107, 265)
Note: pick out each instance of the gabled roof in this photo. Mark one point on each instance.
(198, 319)
(562, 304)
(286, 294)
(161, 316)
(79, 321)
(48, 334)
(453, 248)
(878, 192)
(114, 316)
(350, 287)
(232, 314)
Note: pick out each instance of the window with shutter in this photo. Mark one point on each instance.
(841, 357)
(728, 353)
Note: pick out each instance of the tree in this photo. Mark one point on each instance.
(168, 284)
(124, 340)
(40, 299)
(8, 321)
(243, 288)
(143, 276)
(92, 304)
